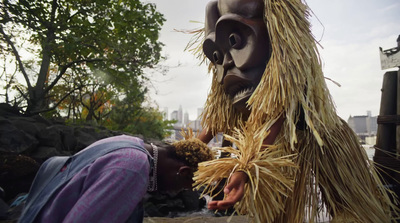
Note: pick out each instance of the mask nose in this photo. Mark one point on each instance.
(222, 69)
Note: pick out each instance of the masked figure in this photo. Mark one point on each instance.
(268, 84)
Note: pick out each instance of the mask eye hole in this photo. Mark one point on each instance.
(217, 57)
(235, 41)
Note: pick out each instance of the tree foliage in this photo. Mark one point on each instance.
(149, 122)
(120, 38)
(83, 58)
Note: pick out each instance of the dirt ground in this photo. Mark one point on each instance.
(200, 219)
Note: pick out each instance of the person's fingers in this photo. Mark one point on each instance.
(220, 205)
(213, 205)
(235, 195)
(233, 183)
(223, 205)
(229, 201)
(227, 189)
(234, 191)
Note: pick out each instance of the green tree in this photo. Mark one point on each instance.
(72, 40)
(147, 122)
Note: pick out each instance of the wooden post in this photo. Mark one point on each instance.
(386, 136)
(386, 150)
(398, 113)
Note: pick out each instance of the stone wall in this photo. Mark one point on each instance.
(26, 142)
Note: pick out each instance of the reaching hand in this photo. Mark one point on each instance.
(234, 192)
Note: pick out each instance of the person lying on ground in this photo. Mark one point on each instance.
(106, 181)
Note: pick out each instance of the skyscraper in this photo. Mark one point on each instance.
(186, 119)
(180, 115)
(165, 114)
(174, 115)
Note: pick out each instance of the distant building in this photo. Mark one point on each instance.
(186, 119)
(165, 114)
(180, 115)
(199, 112)
(365, 126)
(185, 123)
(174, 115)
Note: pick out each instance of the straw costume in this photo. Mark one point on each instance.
(324, 157)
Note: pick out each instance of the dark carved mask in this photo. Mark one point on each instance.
(237, 43)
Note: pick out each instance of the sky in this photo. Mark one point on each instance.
(349, 31)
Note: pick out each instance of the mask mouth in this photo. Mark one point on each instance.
(237, 88)
(242, 94)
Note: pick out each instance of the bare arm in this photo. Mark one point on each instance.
(274, 131)
(205, 136)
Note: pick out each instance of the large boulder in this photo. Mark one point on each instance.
(50, 136)
(6, 109)
(14, 140)
(17, 174)
(28, 125)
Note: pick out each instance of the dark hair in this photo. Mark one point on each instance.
(190, 151)
(194, 151)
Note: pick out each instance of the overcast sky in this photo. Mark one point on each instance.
(350, 32)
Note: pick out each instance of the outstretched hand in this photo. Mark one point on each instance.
(234, 192)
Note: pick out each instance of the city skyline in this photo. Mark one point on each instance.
(195, 117)
(169, 114)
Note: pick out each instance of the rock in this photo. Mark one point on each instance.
(16, 174)
(6, 109)
(3, 210)
(28, 125)
(15, 141)
(44, 152)
(83, 139)
(68, 139)
(172, 205)
(40, 120)
(2, 194)
(191, 200)
(50, 137)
